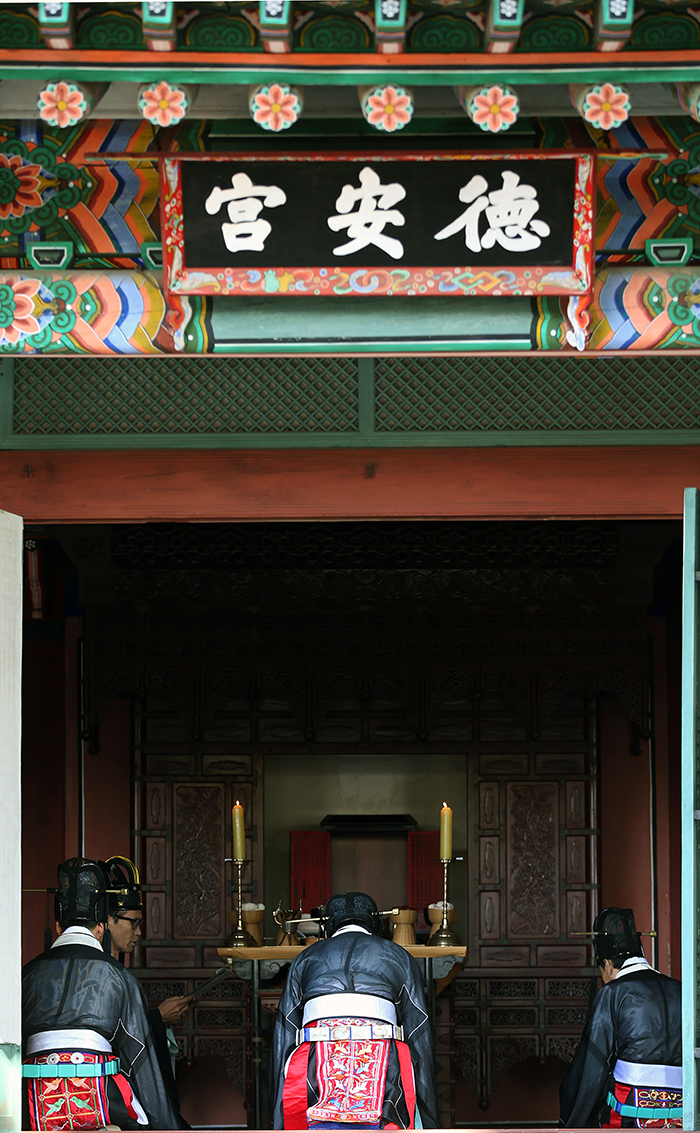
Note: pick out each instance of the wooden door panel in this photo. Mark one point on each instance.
(198, 855)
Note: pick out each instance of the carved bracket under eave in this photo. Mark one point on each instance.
(159, 22)
(504, 22)
(390, 26)
(57, 22)
(275, 25)
(613, 26)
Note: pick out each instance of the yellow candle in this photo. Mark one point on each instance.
(446, 833)
(238, 832)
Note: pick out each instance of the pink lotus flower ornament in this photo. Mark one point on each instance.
(605, 106)
(162, 104)
(492, 108)
(275, 106)
(63, 104)
(20, 187)
(17, 319)
(388, 108)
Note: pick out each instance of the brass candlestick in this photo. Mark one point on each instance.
(445, 937)
(240, 937)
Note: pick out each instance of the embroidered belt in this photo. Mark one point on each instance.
(657, 1114)
(321, 1033)
(71, 1069)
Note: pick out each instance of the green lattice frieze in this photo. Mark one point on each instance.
(565, 397)
(535, 394)
(435, 34)
(185, 396)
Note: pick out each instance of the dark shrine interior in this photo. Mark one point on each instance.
(365, 671)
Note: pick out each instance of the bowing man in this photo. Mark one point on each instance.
(353, 1045)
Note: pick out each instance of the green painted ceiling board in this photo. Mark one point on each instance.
(346, 322)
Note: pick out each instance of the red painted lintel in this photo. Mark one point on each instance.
(337, 484)
(338, 60)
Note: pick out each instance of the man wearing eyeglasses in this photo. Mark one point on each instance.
(125, 926)
(125, 921)
(89, 1057)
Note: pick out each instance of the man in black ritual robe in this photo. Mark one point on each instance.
(125, 919)
(88, 1051)
(627, 1071)
(353, 1046)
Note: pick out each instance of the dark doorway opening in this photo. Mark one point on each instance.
(525, 668)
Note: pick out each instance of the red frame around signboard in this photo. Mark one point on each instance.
(334, 280)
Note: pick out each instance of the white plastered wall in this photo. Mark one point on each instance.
(10, 820)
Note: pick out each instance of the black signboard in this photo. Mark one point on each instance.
(232, 222)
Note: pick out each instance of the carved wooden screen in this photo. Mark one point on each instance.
(533, 850)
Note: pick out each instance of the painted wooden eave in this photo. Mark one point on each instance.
(350, 70)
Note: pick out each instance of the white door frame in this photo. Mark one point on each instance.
(11, 532)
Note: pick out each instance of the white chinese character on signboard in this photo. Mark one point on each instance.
(247, 230)
(375, 210)
(509, 213)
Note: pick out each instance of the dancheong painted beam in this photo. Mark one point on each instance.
(122, 313)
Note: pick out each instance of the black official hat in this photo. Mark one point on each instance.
(124, 882)
(352, 908)
(615, 936)
(81, 895)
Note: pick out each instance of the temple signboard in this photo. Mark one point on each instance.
(379, 224)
